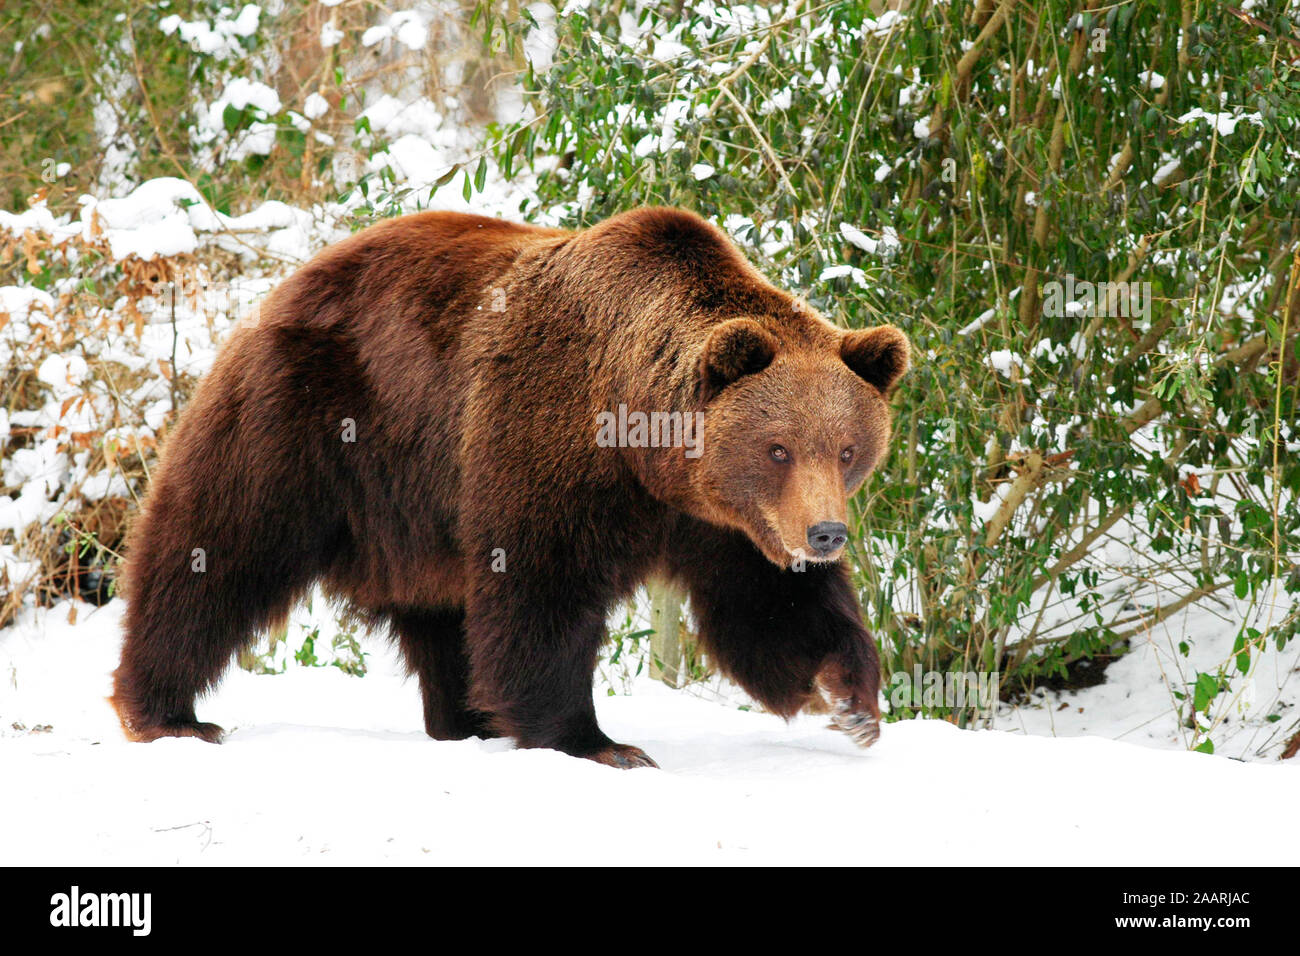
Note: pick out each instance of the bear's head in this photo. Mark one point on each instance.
(791, 431)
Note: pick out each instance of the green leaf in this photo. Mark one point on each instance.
(1206, 689)
(231, 118)
(446, 177)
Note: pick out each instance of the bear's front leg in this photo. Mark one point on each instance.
(851, 680)
(782, 633)
(533, 640)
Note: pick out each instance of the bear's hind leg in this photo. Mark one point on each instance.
(433, 645)
(183, 628)
(201, 582)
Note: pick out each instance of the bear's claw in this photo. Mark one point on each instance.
(624, 757)
(212, 733)
(863, 728)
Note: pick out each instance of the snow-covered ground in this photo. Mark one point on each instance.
(1137, 703)
(323, 768)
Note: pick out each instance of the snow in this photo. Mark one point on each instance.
(414, 160)
(330, 35)
(242, 93)
(63, 373)
(887, 243)
(1137, 702)
(1165, 171)
(409, 29)
(16, 514)
(36, 219)
(419, 118)
(148, 222)
(215, 38)
(978, 323)
(1004, 361)
(1226, 123)
(886, 22)
(324, 768)
(858, 276)
(161, 218)
(406, 26)
(315, 106)
(541, 42)
(1151, 79)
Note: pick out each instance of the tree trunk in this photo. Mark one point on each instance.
(667, 661)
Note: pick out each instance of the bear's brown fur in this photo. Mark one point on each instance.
(476, 514)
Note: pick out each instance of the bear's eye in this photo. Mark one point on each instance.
(778, 453)
(846, 455)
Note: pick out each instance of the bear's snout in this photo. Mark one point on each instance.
(826, 537)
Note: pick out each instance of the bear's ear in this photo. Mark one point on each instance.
(734, 349)
(880, 355)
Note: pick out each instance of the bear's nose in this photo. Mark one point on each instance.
(827, 536)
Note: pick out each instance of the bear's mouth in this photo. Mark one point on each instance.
(814, 557)
(774, 547)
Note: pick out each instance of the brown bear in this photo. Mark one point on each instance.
(413, 421)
